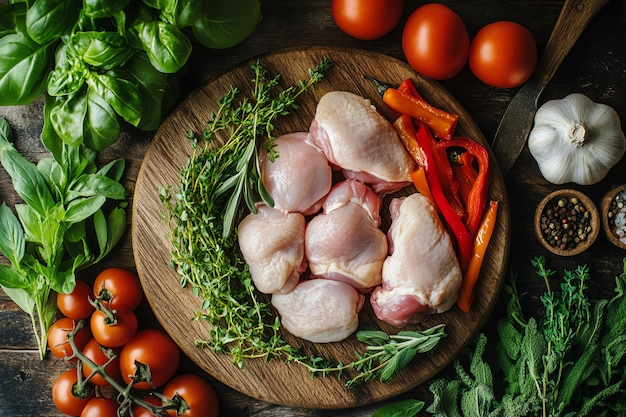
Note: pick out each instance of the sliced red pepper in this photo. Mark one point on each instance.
(455, 224)
(440, 121)
(477, 196)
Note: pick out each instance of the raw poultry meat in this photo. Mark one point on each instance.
(422, 275)
(272, 244)
(345, 243)
(299, 178)
(320, 310)
(358, 139)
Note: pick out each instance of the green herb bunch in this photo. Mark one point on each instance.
(219, 185)
(568, 362)
(104, 61)
(72, 215)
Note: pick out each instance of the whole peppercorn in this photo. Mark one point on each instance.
(565, 223)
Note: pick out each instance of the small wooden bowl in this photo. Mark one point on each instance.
(608, 227)
(594, 222)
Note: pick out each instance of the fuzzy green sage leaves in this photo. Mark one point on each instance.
(64, 223)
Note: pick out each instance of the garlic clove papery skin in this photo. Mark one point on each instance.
(576, 140)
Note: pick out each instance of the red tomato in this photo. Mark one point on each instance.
(100, 407)
(114, 334)
(367, 20)
(76, 305)
(96, 353)
(503, 54)
(58, 343)
(119, 289)
(435, 41)
(139, 411)
(67, 395)
(199, 396)
(155, 349)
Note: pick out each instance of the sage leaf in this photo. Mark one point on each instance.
(405, 408)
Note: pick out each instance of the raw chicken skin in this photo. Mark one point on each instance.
(320, 310)
(355, 137)
(422, 275)
(272, 244)
(299, 177)
(344, 243)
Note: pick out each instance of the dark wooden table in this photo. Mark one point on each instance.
(596, 66)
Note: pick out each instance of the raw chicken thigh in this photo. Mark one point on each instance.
(355, 137)
(272, 244)
(422, 275)
(344, 243)
(299, 178)
(320, 310)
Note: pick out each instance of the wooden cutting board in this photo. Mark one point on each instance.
(174, 306)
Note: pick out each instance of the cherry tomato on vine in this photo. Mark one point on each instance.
(435, 41)
(198, 394)
(118, 289)
(95, 352)
(100, 407)
(139, 411)
(114, 334)
(503, 54)
(58, 342)
(68, 396)
(367, 20)
(155, 349)
(76, 305)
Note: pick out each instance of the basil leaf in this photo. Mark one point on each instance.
(83, 208)
(49, 136)
(9, 16)
(114, 169)
(88, 185)
(153, 85)
(167, 47)
(109, 230)
(47, 20)
(24, 67)
(67, 117)
(66, 81)
(120, 93)
(406, 408)
(27, 181)
(104, 50)
(22, 298)
(181, 13)
(10, 278)
(103, 8)
(226, 23)
(101, 128)
(31, 222)
(54, 176)
(11, 236)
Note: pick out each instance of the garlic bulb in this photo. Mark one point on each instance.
(576, 140)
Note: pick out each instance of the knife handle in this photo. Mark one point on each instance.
(574, 17)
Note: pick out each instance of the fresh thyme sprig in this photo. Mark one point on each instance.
(221, 181)
(221, 176)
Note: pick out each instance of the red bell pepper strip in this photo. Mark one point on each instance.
(440, 121)
(481, 241)
(455, 224)
(477, 197)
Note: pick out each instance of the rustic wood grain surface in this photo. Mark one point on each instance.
(596, 66)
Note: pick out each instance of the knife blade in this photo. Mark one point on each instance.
(518, 117)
